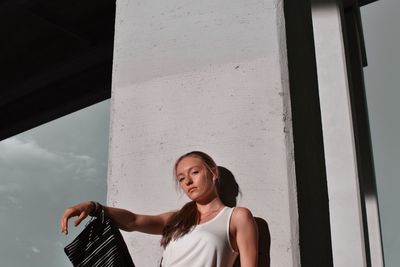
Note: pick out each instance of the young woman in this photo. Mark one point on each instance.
(204, 233)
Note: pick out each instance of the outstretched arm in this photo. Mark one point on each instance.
(124, 219)
(246, 236)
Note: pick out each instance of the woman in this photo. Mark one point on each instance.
(203, 233)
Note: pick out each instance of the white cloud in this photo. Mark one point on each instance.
(82, 158)
(9, 188)
(14, 149)
(35, 249)
(81, 166)
(25, 155)
(13, 200)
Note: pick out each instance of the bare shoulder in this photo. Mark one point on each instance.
(242, 217)
(242, 212)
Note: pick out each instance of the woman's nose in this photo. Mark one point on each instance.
(189, 181)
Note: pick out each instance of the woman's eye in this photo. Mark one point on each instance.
(195, 172)
(181, 179)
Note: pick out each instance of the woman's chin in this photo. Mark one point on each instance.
(192, 197)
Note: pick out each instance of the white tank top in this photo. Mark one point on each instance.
(206, 245)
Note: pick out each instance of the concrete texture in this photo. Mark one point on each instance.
(210, 76)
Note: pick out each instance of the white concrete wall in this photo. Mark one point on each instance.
(337, 127)
(202, 75)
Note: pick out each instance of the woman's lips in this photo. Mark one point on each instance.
(191, 189)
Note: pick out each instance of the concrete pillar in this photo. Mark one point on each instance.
(347, 233)
(202, 75)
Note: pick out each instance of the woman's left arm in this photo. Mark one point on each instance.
(246, 236)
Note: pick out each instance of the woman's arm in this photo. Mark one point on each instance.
(245, 232)
(124, 219)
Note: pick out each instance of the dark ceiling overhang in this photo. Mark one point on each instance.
(56, 58)
(365, 2)
(357, 3)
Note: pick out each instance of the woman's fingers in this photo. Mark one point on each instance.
(81, 210)
(64, 221)
(63, 226)
(70, 212)
(81, 217)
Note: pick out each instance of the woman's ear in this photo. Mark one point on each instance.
(215, 174)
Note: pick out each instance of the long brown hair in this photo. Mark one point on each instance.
(182, 221)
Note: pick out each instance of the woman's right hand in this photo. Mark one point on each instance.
(80, 210)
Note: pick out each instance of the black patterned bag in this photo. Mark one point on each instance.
(100, 244)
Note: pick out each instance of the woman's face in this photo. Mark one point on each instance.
(195, 179)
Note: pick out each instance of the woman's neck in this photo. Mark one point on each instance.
(213, 205)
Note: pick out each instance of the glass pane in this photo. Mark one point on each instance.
(43, 171)
(382, 39)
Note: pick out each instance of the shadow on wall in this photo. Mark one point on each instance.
(228, 191)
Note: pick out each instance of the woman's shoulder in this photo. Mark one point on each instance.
(241, 216)
(242, 211)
